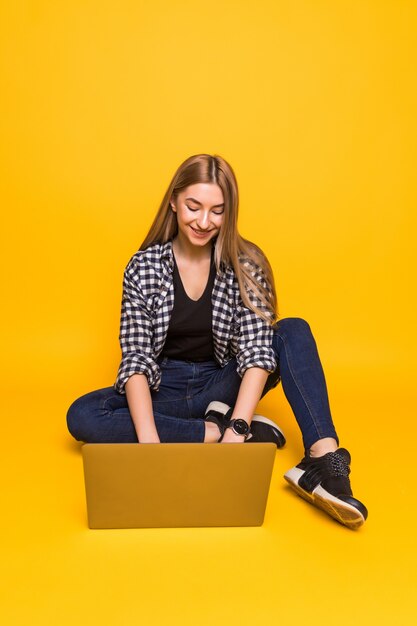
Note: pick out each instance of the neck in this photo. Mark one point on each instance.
(186, 250)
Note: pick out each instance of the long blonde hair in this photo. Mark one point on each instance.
(246, 258)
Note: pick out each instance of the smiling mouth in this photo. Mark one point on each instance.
(201, 232)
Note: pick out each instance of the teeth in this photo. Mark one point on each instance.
(200, 232)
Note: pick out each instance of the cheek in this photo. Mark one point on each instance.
(182, 217)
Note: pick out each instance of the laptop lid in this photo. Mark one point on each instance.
(130, 485)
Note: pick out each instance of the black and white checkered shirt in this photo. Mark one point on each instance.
(147, 303)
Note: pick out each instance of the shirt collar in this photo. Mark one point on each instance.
(167, 254)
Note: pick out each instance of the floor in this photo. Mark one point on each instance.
(298, 565)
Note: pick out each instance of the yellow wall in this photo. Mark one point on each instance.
(314, 105)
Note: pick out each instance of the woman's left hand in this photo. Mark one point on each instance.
(231, 437)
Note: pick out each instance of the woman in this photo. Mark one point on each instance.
(201, 344)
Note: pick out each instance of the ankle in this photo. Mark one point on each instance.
(323, 446)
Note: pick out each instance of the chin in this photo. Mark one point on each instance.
(200, 244)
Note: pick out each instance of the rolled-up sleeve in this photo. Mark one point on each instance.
(136, 334)
(255, 337)
(255, 344)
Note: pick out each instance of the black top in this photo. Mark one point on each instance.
(190, 335)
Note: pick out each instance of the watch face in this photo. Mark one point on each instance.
(241, 427)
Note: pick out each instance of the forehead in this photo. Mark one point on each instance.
(205, 193)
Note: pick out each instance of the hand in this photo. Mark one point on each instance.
(231, 437)
(149, 438)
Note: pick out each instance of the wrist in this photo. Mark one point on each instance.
(146, 430)
(239, 427)
(231, 436)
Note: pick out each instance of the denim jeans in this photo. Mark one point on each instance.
(188, 387)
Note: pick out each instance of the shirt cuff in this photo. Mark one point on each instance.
(138, 365)
(256, 357)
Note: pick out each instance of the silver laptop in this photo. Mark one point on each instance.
(130, 485)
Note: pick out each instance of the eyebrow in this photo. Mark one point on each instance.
(215, 206)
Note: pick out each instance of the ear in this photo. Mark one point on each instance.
(171, 202)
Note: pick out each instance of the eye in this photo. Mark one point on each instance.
(190, 208)
(218, 212)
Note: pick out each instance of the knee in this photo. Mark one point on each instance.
(77, 420)
(293, 325)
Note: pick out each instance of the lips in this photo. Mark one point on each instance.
(200, 233)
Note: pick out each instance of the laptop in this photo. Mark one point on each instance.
(153, 485)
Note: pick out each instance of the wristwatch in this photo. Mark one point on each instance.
(239, 426)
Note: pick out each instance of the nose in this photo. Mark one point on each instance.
(203, 221)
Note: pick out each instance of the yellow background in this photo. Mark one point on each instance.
(314, 105)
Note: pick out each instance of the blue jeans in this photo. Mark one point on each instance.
(187, 388)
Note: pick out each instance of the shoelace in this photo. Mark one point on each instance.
(337, 465)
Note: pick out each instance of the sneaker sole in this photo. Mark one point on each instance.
(343, 512)
(261, 418)
(219, 407)
(265, 420)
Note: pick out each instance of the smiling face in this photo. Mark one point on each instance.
(200, 211)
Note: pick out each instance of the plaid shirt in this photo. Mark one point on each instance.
(147, 303)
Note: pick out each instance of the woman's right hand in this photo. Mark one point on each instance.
(149, 438)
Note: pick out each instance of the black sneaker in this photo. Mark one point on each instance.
(324, 482)
(219, 413)
(264, 429)
(261, 428)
